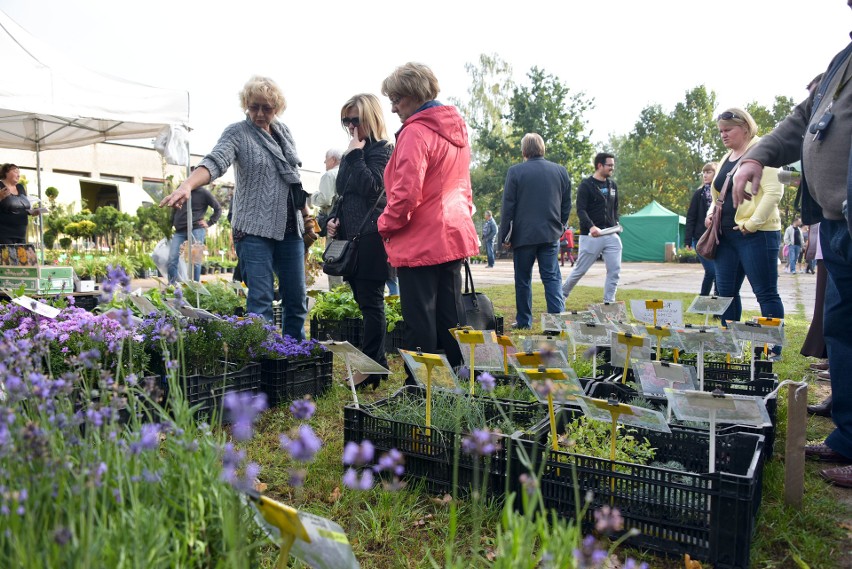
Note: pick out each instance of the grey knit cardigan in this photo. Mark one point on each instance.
(264, 175)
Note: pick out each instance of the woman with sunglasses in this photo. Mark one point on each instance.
(751, 233)
(268, 207)
(361, 196)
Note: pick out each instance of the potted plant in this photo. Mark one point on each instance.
(290, 368)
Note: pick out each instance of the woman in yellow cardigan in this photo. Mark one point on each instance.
(751, 233)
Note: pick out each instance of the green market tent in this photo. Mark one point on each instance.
(647, 231)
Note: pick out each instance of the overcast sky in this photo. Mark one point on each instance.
(623, 54)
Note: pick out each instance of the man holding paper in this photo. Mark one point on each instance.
(597, 208)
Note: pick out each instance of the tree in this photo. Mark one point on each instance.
(661, 158)
(546, 106)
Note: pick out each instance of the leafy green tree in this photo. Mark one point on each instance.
(545, 106)
(153, 223)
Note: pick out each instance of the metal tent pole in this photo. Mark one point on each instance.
(38, 176)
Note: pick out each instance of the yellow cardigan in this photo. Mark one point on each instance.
(760, 213)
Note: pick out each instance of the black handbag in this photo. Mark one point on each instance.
(340, 258)
(478, 310)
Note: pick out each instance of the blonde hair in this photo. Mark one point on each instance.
(370, 114)
(413, 80)
(266, 88)
(709, 167)
(738, 117)
(532, 145)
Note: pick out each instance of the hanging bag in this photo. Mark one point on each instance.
(706, 246)
(340, 258)
(478, 310)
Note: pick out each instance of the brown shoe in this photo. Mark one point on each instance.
(824, 376)
(819, 366)
(840, 476)
(821, 409)
(825, 453)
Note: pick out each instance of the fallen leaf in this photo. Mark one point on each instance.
(443, 500)
(259, 486)
(335, 495)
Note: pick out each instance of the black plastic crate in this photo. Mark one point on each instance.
(709, 516)
(208, 391)
(284, 380)
(430, 454)
(87, 301)
(346, 330)
(395, 339)
(760, 387)
(731, 371)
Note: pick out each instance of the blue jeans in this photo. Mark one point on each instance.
(489, 251)
(178, 239)
(754, 256)
(793, 252)
(709, 272)
(547, 255)
(261, 259)
(837, 258)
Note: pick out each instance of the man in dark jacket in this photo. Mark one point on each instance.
(536, 204)
(201, 200)
(825, 190)
(597, 208)
(489, 232)
(701, 200)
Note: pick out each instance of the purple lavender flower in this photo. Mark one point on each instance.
(353, 481)
(116, 278)
(232, 458)
(358, 455)
(481, 442)
(62, 535)
(391, 461)
(529, 484)
(608, 520)
(589, 555)
(149, 439)
(304, 446)
(464, 372)
(297, 476)
(303, 409)
(630, 563)
(486, 382)
(243, 409)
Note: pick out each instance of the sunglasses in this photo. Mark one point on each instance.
(267, 109)
(726, 116)
(354, 121)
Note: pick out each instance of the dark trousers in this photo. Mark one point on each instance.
(814, 344)
(836, 246)
(431, 305)
(370, 296)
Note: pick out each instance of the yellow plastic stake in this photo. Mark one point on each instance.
(676, 354)
(615, 409)
(767, 321)
(472, 338)
(286, 519)
(506, 343)
(629, 340)
(660, 332)
(542, 374)
(654, 305)
(430, 361)
(529, 359)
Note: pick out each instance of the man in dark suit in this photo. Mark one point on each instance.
(536, 204)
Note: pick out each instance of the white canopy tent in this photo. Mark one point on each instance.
(52, 102)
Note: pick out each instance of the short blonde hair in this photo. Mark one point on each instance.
(532, 145)
(709, 167)
(413, 80)
(369, 114)
(259, 86)
(738, 117)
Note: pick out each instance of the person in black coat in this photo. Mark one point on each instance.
(15, 207)
(701, 200)
(536, 205)
(360, 183)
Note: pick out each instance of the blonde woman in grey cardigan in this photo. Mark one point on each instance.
(269, 202)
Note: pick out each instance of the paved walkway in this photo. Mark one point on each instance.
(795, 290)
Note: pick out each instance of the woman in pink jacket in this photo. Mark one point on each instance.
(427, 225)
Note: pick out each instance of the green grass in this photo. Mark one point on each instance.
(410, 528)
